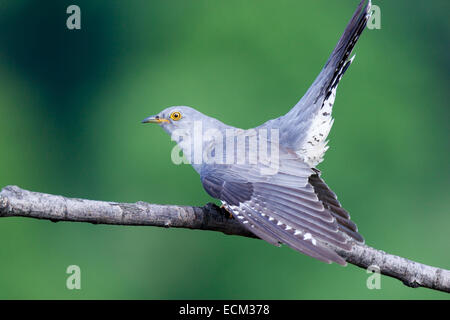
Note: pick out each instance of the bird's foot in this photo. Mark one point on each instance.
(222, 210)
(227, 213)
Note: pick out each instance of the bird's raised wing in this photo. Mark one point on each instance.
(306, 126)
(293, 206)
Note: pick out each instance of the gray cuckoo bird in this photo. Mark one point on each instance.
(283, 201)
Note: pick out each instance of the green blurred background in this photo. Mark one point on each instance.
(70, 109)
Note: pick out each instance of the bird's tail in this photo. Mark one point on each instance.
(338, 62)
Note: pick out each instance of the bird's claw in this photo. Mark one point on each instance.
(227, 213)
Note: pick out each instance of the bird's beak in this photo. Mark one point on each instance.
(154, 119)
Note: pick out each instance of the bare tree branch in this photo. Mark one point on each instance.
(16, 202)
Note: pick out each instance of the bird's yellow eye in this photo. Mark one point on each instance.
(175, 116)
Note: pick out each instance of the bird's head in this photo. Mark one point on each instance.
(177, 117)
(183, 120)
(190, 129)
